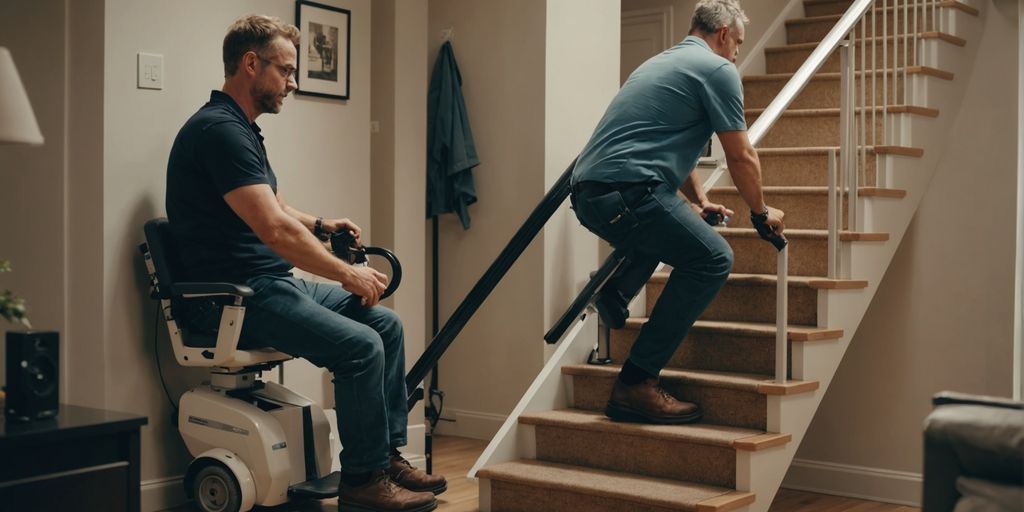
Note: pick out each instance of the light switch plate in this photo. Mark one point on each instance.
(151, 71)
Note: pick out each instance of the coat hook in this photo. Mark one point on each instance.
(448, 34)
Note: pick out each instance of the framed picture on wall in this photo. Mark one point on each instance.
(323, 60)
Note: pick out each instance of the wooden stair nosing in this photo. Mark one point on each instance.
(804, 234)
(727, 502)
(695, 433)
(832, 111)
(947, 4)
(629, 488)
(798, 47)
(796, 333)
(835, 75)
(748, 382)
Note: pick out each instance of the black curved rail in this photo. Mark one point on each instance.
(483, 288)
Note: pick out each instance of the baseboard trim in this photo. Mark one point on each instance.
(875, 484)
(471, 424)
(162, 493)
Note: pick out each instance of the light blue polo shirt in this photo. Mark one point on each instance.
(664, 115)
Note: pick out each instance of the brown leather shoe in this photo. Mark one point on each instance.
(647, 402)
(380, 494)
(403, 473)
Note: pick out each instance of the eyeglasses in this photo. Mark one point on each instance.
(285, 71)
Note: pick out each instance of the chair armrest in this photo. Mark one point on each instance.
(953, 398)
(206, 289)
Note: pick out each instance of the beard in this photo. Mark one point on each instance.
(267, 100)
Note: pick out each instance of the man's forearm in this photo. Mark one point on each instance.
(307, 220)
(294, 241)
(746, 175)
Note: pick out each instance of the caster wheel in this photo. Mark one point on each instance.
(215, 489)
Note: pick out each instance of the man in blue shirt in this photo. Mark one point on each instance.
(624, 187)
(231, 223)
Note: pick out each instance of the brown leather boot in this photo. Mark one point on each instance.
(647, 402)
(380, 494)
(403, 473)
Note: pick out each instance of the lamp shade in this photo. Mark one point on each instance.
(17, 122)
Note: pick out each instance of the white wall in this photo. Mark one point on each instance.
(943, 317)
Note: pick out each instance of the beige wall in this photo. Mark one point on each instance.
(537, 76)
(80, 205)
(319, 148)
(943, 317)
(581, 75)
(32, 184)
(399, 107)
(499, 47)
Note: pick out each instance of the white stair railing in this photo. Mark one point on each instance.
(855, 105)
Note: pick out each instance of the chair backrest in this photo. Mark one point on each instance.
(164, 252)
(218, 349)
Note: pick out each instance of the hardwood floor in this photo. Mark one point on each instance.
(453, 456)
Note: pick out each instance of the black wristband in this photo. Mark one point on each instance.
(759, 217)
(318, 229)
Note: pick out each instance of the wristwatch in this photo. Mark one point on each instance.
(318, 230)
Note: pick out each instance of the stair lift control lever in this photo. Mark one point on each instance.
(345, 247)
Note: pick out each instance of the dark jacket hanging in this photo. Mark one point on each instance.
(451, 153)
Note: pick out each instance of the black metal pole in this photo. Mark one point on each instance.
(483, 288)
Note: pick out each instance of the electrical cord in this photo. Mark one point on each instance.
(159, 367)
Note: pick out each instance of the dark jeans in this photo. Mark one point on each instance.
(655, 225)
(362, 347)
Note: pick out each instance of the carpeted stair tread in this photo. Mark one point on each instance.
(696, 433)
(825, 112)
(832, 75)
(771, 280)
(752, 329)
(949, 4)
(798, 47)
(822, 234)
(658, 492)
(748, 382)
(893, 193)
(823, 150)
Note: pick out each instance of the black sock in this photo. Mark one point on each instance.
(632, 374)
(355, 479)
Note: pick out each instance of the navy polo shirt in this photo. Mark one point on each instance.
(215, 152)
(658, 124)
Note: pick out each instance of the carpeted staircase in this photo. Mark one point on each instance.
(577, 459)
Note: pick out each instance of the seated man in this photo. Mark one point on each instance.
(231, 224)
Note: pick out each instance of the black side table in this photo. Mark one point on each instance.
(84, 459)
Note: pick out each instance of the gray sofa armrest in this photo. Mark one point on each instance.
(972, 436)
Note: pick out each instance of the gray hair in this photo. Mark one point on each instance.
(711, 15)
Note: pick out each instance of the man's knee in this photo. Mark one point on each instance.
(389, 325)
(357, 352)
(720, 262)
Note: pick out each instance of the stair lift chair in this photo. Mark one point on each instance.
(254, 442)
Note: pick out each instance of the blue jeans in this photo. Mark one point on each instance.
(652, 223)
(363, 347)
